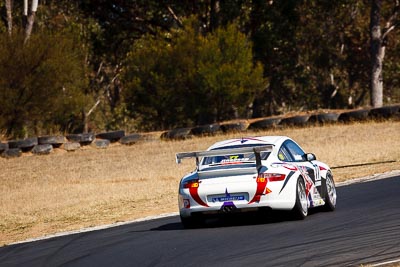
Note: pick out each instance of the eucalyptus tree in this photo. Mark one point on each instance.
(41, 73)
(379, 42)
(40, 84)
(9, 5)
(29, 14)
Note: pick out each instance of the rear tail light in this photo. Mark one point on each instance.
(270, 177)
(191, 184)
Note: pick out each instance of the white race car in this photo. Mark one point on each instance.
(251, 174)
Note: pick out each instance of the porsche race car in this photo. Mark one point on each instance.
(251, 174)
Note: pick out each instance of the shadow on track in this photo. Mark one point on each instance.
(235, 220)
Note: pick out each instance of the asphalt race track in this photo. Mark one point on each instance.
(365, 228)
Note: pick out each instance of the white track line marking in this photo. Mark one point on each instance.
(385, 263)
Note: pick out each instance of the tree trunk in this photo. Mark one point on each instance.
(377, 55)
(30, 18)
(9, 4)
(85, 123)
(29, 26)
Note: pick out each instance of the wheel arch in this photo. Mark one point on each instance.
(289, 188)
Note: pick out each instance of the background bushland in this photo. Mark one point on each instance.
(97, 65)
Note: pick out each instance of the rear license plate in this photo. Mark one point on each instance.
(224, 199)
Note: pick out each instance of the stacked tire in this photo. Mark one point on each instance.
(264, 124)
(177, 134)
(354, 115)
(234, 127)
(206, 130)
(300, 120)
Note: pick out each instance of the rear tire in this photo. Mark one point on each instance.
(330, 189)
(300, 210)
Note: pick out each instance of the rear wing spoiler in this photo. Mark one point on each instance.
(221, 152)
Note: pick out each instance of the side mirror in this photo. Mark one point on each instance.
(310, 157)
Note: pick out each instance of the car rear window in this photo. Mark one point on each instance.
(237, 158)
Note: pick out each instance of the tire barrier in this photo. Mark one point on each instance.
(130, 139)
(300, 120)
(206, 130)
(25, 145)
(354, 115)
(46, 144)
(113, 136)
(324, 118)
(234, 127)
(83, 139)
(42, 149)
(72, 146)
(101, 143)
(74, 138)
(177, 134)
(12, 153)
(385, 112)
(87, 139)
(3, 147)
(55, 141)
(264, 124)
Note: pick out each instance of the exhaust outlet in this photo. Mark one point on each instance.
(228, 208)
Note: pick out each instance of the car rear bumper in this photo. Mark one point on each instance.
(231, 207)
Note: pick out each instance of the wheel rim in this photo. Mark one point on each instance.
(331, 190)
(302, 197)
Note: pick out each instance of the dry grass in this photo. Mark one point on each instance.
(46, 194)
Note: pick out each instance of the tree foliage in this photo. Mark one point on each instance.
(40, 83)
(183, 77)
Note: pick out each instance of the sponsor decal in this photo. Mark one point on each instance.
(308, 186)
(317, 172)
(227, 197)
(194, 193)
(234, 159)
(286, 165)
(228, 205)
(186, 203)
(321, 168)
(261, 185)
(287, 180)
(310, 200)
(307, 179)
(224, 199)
